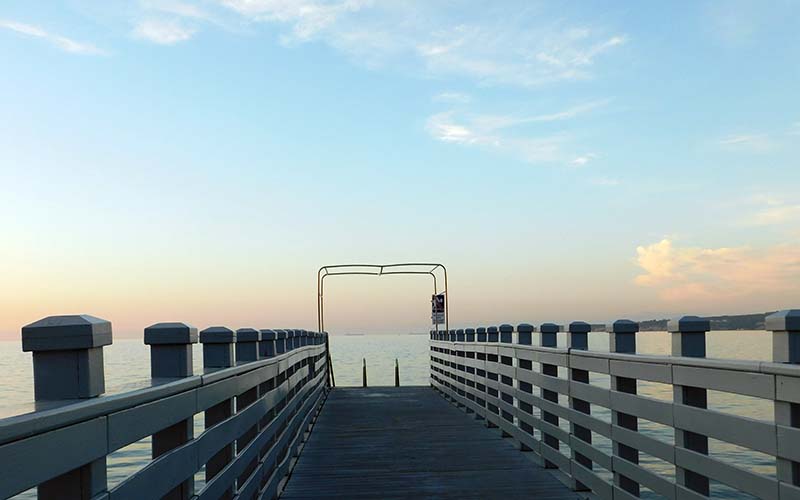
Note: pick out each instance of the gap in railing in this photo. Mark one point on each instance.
(720, 490)
(657, 466)
(380, 351)
(741, 405)
(743, 457)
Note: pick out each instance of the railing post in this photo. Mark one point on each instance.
(171, 356)
(785, 327)
(68, 364)
(622, 339)
(506, 334)
(247, 344)
(525, 334)
(548, 332)
(492, 334)
(689, 340)
(396, 373)
(469, 334)
(218, 352)
(280, 342)
(246, 352)
(578, 340)
(451, 336)
(460, 335)
(266, 348)
(364, 372)
(480, 334)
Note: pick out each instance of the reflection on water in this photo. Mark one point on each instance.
(128, 366)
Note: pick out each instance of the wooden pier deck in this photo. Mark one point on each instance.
(408, 442)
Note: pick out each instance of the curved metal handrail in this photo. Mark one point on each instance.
(358, 270)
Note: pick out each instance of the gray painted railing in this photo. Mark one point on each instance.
(515, 386)
(259, 391)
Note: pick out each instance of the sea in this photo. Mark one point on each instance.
(127, 367)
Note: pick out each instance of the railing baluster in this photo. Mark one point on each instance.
(266, 347)
(68, 364)
(785, 327)
(247, 344)
(578, 339)
(622, 339)
(171, 356)
(689, 340)
(218, 352)
(548, 333)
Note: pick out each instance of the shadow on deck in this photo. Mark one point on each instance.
(410, 443)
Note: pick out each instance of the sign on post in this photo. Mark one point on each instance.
(437, 309)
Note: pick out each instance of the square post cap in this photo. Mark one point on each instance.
(689, 324)
(480, 330)
(492, 329)
(268, 334)
(525, 328)
(281, 334)
(580, 327)
(217, 335)
(247, 335)
(784, 321)
(64, 333)
(469, 331)
(460, 331)
(549, 328)
(623, 326)
(453, 331)
(170, 333)
(506, 328)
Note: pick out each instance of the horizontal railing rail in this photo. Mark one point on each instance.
(549, 399)
(258, 393)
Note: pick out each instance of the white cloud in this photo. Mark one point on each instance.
(605, 181)
(690, 275)
(510, 47)
(747, 142)
(794, 129)
(583, 160)
(61, 42)
(452, 97)
(772, 210)
(177, 8)
(510, 133)
(446, 127)
(163, 32)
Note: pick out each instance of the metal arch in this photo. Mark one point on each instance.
(379, 270)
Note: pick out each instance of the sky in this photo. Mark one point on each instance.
(198, 161)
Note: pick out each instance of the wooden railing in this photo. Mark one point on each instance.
(258, 393)
(530, 391)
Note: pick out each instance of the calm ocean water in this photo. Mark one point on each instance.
(127, 367)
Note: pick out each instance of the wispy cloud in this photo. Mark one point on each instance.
(772, 210)
(486, 133)
(794, 129)
(417, 35)
(747, 142)
(452, 97)
(163, 32)
(605, 181)
(510, 133)
(583, 160)
(690, 274)
(58, 41)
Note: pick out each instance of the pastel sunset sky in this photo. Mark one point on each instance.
(198, 161)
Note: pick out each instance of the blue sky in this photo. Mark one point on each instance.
(164, 158)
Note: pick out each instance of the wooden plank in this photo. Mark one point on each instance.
(408, 442)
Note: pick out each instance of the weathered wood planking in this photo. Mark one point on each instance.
(408, 442)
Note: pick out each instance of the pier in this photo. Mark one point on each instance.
(509, 413)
